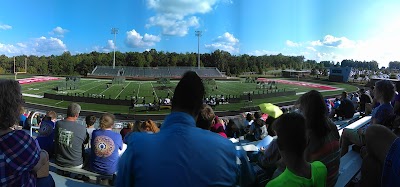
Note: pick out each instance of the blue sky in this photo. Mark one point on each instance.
(316, 29)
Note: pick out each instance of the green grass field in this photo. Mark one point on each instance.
(145, 89)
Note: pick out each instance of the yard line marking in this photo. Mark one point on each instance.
(93, 87)
(154, 91)
(58, 102)
(137, 93)
(71, 92)
(122, 90)
(106, 89)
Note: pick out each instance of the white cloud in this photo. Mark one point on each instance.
(263, 52)
(5, 27)
(36, 46)
(226, 42)
(45, 45)
(292, 44)
(311, 48)
(59, 31)
(381, 47)
(175, 17)
(332, 41)
(173, 25)
(135, 40)
(108, 48)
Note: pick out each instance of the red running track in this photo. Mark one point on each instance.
(36, 79)
(306, 84)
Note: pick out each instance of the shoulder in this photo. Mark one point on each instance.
(21, 135)
(282, 180)
(318, 166)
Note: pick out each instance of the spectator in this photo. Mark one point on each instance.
(46, 132)
(328, 106)
(206, 117)
(90, 121)
(384, 93)
(292, 142)
(380, 166)
(269, 121)
(183, 146)
(336, 103)
(232, 130)
(355, 99)
(208, 121)
(70, 139)
(218, 127)
(22, 118)
(396, 108)
(20, 156)
(364, 99)
(105, 145)
(323, 134)
(258, 129)
(346, 108)
(126, 130)
(30, 120)
(248, 121)
(149, 127)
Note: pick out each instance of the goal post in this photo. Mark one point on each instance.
(20, 72)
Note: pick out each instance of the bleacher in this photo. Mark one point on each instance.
(155, 72)
(350, 164)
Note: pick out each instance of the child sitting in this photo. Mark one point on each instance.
(292, 141)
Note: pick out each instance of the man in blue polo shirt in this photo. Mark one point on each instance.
(180, 154)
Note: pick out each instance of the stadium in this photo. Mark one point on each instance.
(150, 85)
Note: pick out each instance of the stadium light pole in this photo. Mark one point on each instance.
(115, 32)
(198, 34)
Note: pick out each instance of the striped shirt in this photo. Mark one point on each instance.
(329, 155)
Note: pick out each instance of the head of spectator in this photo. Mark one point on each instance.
(73, 111)
(313, 107)
(136, 126)
(106, 121)
(362, 91)
(191, 103)
(206, 117)
(50, 116)
(149, 126)
(129, 125)
(397, 85)
(257, 115)
(384, 91)
(218, 126)
(232, 130)
(10, 103)
(249, 116)
(343, 95)
(292, 138)
(90, 120)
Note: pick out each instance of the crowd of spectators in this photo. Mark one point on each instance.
(304, 147)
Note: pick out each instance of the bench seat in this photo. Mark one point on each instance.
(350, 165)
(93, 176)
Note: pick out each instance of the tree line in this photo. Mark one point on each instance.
(81, 64)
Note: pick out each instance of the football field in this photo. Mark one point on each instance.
(150, 91)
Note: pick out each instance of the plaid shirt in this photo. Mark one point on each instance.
(18, 156)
